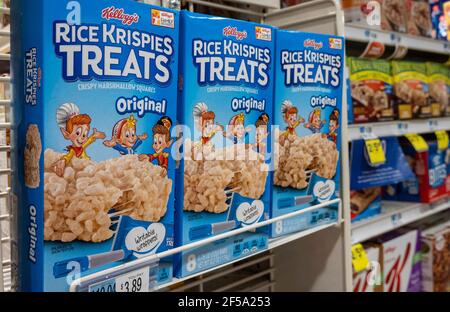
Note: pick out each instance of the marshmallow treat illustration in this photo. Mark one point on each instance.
(124, 138)
(262, 132)
(315, 123)
(291, 118)
(161, 141)
(204, 120)
(333, 125)
(236, 130)
(74, 127)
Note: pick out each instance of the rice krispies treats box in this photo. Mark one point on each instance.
(372, 95)
(223, 181)
(95, 102)
(437, 82)
(411, 89)
(307, 116)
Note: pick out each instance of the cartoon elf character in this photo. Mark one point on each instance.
(290, 116)
(236, 129)
(261, 133)
(333, 125)
(204, 120)
(161, 141)
(315, 123)
(124, 138)
(75, 128)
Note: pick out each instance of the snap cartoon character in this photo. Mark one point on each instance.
(124, 138)
(75, 128)
(315, 123)
(161, 141)
(204, 120)
(290, 116)
(236, 130)
(262, 133)
(333, 125)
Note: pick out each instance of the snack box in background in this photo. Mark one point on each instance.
(430, 170)
(439, 25)
(226, 93)
(435, 241)
(372, 95)
(95, 180)
(418, 18)
(307, 115)
(401, 261)
(369, 280)
(411, 89)
(365, 203)
(388, 15)
(438, 76)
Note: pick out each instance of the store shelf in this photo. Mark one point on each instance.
(363, 34)
(394, 215)
(83, 283)
(273, 243)
(398, 127)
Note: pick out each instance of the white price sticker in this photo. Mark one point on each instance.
(396, 219)
(135, 281)
(402, 128)
(433, 124)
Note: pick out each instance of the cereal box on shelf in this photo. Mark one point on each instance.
(371, 90)
(307, 115)
(401, 264)
(369, 280)
(418, 18)
(438, 22)
(365, 203)
(95, 103)
(435, 257)
(223, 181)
(438, 76)
(411, 89)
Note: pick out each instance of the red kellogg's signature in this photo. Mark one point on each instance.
(118, 14)
(233, 32)
(313, 44)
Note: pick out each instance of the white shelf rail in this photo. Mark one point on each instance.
(398, 127)
(394, 215)
(83, 283)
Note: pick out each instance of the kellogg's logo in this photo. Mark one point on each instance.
(118, 14)
(263, 33)
(311, 43)
(163, 18)
(233, 32)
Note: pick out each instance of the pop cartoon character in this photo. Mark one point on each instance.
(291, 118)
(124, 138)
(236, 130)
(161, 141)
(75, 128)
(333, 125)
(204, 120)
(261, 133)
(315, 123)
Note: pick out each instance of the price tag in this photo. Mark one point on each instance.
(442, 139)
(396, 219)
(105, 286)
(433, 124)
(417, 142)
(402, 127)
(375, 151)
(135, 281)
(359, 258)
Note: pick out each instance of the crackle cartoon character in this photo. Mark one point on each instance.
(291, 118)
(124, 138)
(74, 127)
(236, 131)
(315, 123)
(333, 125)
(204, 121)
(262, 132)
(161, 141)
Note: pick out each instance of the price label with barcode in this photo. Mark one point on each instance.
(135, 281)
(360, 260)
(375, 152)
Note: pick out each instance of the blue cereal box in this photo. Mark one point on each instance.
(95, 102)
(307, 114)
(225, 110)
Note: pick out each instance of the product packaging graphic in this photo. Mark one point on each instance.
(438, 76)
(371, 90)
(95, 102)
(411, 89)
(365, 203)
(223, 181)
(366, 280)
(307, 116)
